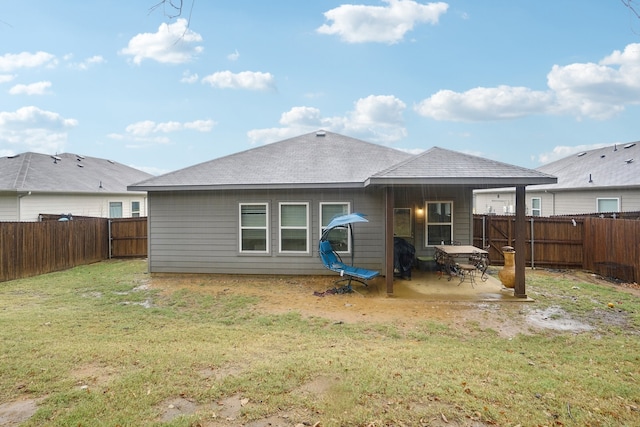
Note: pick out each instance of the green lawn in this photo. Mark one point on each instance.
(94, 346)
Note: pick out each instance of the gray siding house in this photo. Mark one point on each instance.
(604, 180)
(32, 184)
(262, 211)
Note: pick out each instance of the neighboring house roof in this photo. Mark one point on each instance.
(616, 166)
(325, 159)
(613, 166)
(65, 173)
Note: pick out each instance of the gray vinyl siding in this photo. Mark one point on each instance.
(571, 202)
(561, 202)
(462, 215)
(198, 231)
(9, 207)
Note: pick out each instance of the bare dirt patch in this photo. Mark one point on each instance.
(16, 412)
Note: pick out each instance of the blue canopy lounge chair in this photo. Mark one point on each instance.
(331, 259)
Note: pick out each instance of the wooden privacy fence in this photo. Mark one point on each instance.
(33, 248)
(128, 237)
(605, 246)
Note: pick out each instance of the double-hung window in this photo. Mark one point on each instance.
(294, 227)
(439, 222)
(339, 237)
(115, 209)
(536, 206)
(135, 209)
(254, 227)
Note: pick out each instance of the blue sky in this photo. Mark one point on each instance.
(519, 82)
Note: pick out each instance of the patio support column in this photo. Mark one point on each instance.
(388, 238)
(520, 236)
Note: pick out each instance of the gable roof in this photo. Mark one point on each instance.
(65, 173)
(441, 166)
(325, 160)
(613, 166)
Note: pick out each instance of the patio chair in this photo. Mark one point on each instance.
(331, 260)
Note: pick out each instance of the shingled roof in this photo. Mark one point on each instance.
(319, 159)
(68, 173)
(441, 166)
(613, 166)
(325, 159)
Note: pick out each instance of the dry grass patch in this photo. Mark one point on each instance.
(88, 349)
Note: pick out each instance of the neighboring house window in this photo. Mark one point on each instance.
(254, 230)
(536, 206)
(135, 209)
(439, 219)
(115, 209)
(339, 237)
(294, 227)
(608, 205)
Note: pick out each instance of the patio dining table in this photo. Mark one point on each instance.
(461, 260)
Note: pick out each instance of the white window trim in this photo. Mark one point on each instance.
(281, 227)
(115, 202)
(266, 227)
(322, 228)
(617, 199)
(139, 211)
(539, 209)
(427, 223)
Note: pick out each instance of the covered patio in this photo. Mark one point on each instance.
(431, 286)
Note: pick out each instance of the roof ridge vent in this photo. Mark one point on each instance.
(321, 133)
(582, 154)
(630, 145)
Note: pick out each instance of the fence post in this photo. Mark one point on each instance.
(532, 247)
(110, 239)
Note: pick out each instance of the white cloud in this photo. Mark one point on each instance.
(383, 24)
(6, 78)
(499, 103)
(253, 80)
(34, 129)
(171, 44)
(562, 151)
(87, 63)
(39, 88)
(597, 91)
(188, 77)
(234, 56)
(148, 130)
(11, 62)
(374, 118)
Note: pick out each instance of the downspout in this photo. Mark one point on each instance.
(110, 241)
(533, 258)
(20, 196)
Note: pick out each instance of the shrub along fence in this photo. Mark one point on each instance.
(608, 247)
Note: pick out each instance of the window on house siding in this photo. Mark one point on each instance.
(536, 206)
(115, 209)
(439, 222)
(294, 227)
(135, 209)
(339, 237)
(254, 229)
(608, 205)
